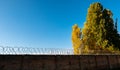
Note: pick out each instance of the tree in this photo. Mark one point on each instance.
(99, 31)
(76, 39)
(94, 28)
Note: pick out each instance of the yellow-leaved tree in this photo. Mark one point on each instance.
(99, 32)
(76, 39)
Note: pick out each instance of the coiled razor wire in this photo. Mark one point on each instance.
(35, 51)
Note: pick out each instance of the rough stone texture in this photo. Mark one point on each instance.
(59, 62)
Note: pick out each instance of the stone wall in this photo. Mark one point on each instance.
(59, 62)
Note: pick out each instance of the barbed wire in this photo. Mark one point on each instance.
(36, 51)
(6, 50)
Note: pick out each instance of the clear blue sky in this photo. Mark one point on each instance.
(45, 23)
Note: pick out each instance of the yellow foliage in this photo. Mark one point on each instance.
(76, 41)
(86, 49)
(101, 15)
(98, 32)
(110, 48)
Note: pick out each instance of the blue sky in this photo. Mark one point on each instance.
(45, 23)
